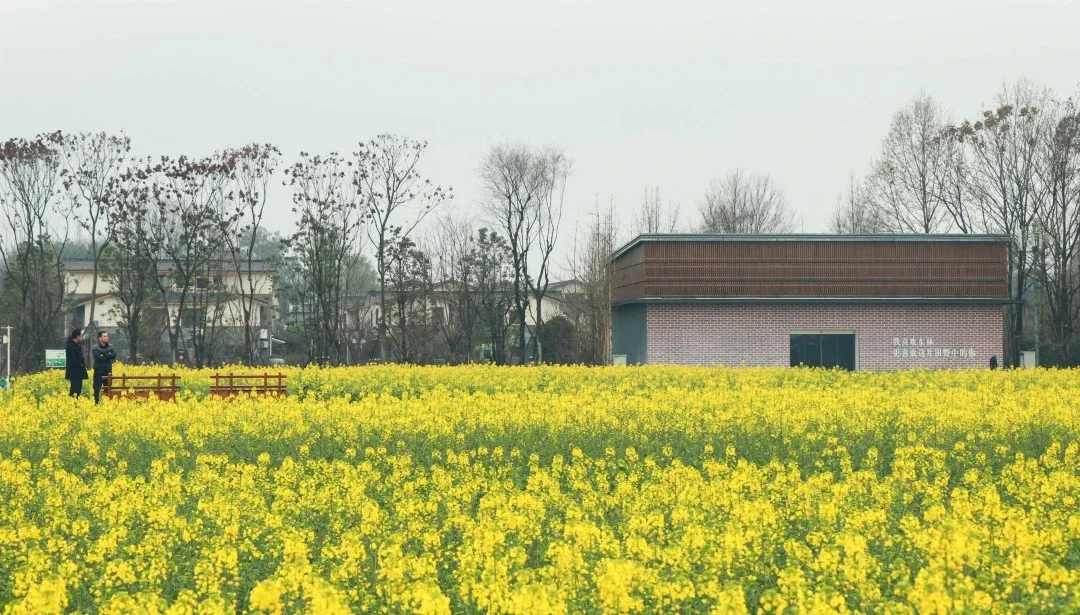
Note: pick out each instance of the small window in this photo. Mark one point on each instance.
(823, 350)
(200, 283)
(438, 315)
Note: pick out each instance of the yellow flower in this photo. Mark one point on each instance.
(549, 489)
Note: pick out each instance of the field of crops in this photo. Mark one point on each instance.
(548, 490)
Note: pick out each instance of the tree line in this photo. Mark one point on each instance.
(1010, 169)
(379, 268)
(454, 289)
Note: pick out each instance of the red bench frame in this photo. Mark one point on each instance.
(227, 385)
(162, 386)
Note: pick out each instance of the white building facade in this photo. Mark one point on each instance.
(220, 290)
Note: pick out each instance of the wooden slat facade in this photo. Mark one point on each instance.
(832, 268)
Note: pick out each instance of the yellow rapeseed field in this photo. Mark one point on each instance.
(548, 490)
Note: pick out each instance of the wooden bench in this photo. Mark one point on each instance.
(227, 385)
(162, 386)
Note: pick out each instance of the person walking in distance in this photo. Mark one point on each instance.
(75, 365)
(103, 360)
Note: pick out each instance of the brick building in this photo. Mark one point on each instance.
(854, 301)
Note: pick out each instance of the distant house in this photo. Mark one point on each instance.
(448, 293)
(218, 288)
(445, 297)
(558, 300)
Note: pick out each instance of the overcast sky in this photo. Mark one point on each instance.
(664, 94)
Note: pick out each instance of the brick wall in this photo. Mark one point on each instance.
(886, 336)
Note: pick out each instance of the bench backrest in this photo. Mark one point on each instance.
(162, 386)
(225, 385)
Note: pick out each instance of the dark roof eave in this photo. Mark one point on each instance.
(822, 300)
(814, 237)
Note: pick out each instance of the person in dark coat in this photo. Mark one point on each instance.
(75, 365)
(103, 360)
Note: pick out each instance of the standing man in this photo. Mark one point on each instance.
(75, 365)
(103, 359)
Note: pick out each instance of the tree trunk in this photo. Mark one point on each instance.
(133, 344)
(539, 325)
(93, 296)
(381, 325)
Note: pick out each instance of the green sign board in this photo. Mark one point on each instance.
(55, 358)
(3, 383)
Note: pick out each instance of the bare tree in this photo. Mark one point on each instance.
(910, 173)
(328, 195)
(1057, 242)
(553, 167)
(1004, 148)
(655, 216)
(394, 188)
(745, 204)
(185, 208)
(254, 165)
(452, 241)
(90, 163)
(590, 309)
(526, 192)
(210, 298)
(130, 264)
(132, 276)
(855, 213)
(33, 277)
(514, 182)
(955, 191)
